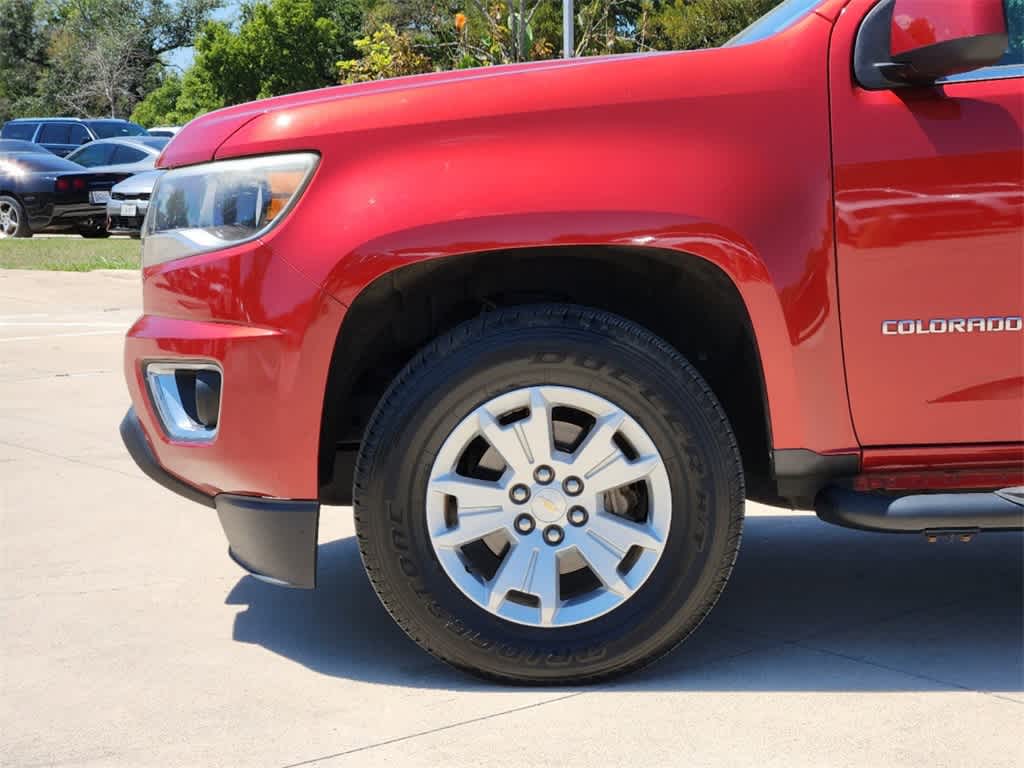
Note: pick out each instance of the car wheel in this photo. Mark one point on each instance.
(13, 220)
(548, 494)
(94, 232)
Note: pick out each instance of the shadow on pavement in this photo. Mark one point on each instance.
(810, 607)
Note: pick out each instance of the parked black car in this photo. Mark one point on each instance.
(17, 145)
(62, 135)
(41, 191)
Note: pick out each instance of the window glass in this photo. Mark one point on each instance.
(1014, 55)
(784, 15)
(20, 131)
(79, 135)
(92, 155)
(54, 133)
(125, 154)
(1015, 27)
(109, 129)
(156, 142)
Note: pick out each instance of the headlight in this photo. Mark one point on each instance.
(201, 208)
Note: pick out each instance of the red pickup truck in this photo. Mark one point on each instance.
(547, 326)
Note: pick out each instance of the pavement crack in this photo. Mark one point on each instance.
(450, 726)
(72, 460)
(890, 668)
(59, 375)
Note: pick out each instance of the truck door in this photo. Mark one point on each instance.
(930, 248)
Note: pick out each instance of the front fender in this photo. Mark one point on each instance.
(685, 152)
(788, 370)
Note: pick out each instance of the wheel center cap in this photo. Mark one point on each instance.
(548, 505)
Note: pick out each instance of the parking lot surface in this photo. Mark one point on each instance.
(128, 638)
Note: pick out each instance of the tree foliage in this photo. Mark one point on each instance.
(484, 32)
(89, 57)
(385, 53)
(282, 46)
(275, 47)
(1015, 26)
(101, 57)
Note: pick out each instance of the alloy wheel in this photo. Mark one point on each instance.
(8, 220)
(548, 506)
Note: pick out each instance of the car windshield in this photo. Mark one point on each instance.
(777, 19)
(108, 129)
(17, 163)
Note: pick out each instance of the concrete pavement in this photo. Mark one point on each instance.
(127, 638)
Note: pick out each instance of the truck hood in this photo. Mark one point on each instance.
(199, 140)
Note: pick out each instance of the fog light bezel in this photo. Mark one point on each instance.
(162, 387)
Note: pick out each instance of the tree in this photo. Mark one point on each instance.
(89, 57)
(482, 32)
(161, 104)
(23, 55)
(383, 54)
(179, 99)
(687, 24)
(98, 75)
(1015, 26)
(278, 46)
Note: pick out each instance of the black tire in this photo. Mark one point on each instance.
(17, 210)
(568, 346)
(94, 233)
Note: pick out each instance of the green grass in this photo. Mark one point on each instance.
(69, 254)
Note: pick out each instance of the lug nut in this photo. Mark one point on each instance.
(578, 516)
(573, 486)
(524, 524)
(544, 474)
(553, 535)
(520, 494)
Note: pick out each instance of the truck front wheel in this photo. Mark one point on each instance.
(548, 494)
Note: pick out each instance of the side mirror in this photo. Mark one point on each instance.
(915, 42)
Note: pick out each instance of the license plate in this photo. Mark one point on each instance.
(128, 209)
(99, 196)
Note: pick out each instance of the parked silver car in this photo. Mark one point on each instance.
(129, 201)
(126, 153)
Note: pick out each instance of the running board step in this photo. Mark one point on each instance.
(928, 513)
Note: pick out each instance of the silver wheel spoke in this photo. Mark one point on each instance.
(508, 441)
(623, 534)
(472, 525)
(513, 571)
(543, 583)
(604, 559)
(619, 471)
(536, 430)
(598, 448)
(471, 494)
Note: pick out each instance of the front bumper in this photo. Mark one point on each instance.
(119, 224)
(130, 225)
(273, 539)
(270, 332)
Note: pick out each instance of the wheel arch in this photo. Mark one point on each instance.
(690, 301)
